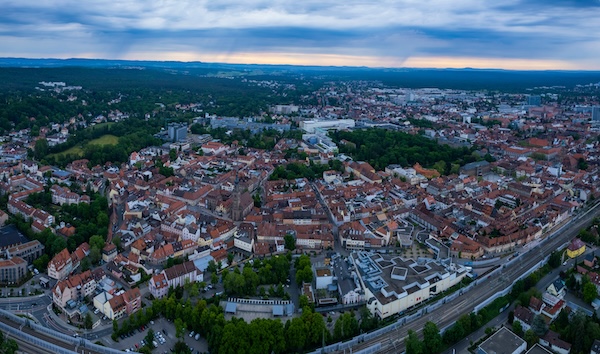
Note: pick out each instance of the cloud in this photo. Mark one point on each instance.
(393, 30)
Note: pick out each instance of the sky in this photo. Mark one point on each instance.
(506, 34)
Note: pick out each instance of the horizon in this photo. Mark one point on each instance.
(285, 64)
(509, 34)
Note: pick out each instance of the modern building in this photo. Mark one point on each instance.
(596, 113)
(503, 341)
(310, 125)
(534, 100)
(177, 131)
(392, 284)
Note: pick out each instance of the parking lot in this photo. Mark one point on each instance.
(167, 332)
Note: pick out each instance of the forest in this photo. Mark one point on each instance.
(133, 91)
(381, 148)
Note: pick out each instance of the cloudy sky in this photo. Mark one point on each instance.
(511, 34)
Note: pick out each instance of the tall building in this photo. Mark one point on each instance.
(596, 113)
(177, 131)
(534, 100)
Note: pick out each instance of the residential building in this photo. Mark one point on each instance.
(12, 270)
(29, 251)
(177, 275)
(60, 265)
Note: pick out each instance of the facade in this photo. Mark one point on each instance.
(13, 270)
(311, 125)
(60, 265)
(177, 132)
(29, 251)
(177, 275)
(575, 248)
(75, 288)
(596, 113)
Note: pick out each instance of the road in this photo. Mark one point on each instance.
(393, 342)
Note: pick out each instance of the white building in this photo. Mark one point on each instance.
(310, 125)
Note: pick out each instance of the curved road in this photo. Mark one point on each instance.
(393, 342)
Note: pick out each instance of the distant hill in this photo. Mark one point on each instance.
(469, 79)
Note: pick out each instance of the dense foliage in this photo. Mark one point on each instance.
(300, 170)
(380, 148)
(271, 271)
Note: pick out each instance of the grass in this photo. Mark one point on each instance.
(107, 139)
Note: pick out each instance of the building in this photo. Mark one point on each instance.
(109, 252)
(575, 248)
(392, 284)
(12, 270)
(11, 237)
(311, 125)
(324, 277)
(119, 305)
(534, 100)
(524, 316)
(503, 341)
(74, 288)
(596, 113)
(177, 275)
(29, 251)
(177, 131)
(60, 265)
(478, 168)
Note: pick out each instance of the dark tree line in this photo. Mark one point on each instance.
(381, 147)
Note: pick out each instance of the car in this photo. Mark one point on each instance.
(565, 263)
(192, 334)
(197, 337)
(151, 322)
(137, 345)
(165, 332)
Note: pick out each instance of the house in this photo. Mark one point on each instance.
(60, 265)
(109, 252)
(576, 248)
(557, 289)
(524, 316)
(177, 275)
(75, 288)
(536, 305)
(121, 304)
(590, 260)
(552, 341)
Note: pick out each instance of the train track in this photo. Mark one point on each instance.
(449, 313)
(35, 349)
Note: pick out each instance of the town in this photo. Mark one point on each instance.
(355, 207)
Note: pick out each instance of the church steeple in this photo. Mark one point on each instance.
(236, 209)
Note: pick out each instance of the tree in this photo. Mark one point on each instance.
(554, 260)
(530, 337)
(87, 321)
(290, 242)
(214, 278)
(432, 340)
(149, 337)
(96, 241)
(41, 149)
(179, 328)
(172, 155)
(590, 292)
(517, 328)
(412, 343)
(295, 334)
(230, 257)
(539, 326)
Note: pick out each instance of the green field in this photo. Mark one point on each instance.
(107, 139)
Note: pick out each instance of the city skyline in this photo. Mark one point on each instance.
(514, 34)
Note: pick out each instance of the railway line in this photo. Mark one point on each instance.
(42, 336)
